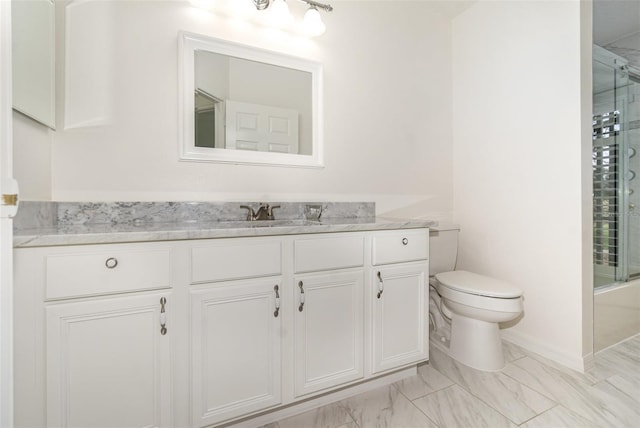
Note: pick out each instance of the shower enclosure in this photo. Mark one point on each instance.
(616, 162)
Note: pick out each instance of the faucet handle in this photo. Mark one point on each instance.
(270, 211)
(250, 214)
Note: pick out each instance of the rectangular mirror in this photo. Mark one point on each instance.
(241, 104)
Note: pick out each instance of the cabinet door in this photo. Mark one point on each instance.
(235, 338)
(328, 330)
(399, 300)
(108, 362)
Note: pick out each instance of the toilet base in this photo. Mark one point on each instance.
(473, 342)
(483, 352)
(476, 343)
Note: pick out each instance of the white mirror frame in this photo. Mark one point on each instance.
(189, 43)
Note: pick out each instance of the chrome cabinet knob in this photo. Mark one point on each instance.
(111, 263)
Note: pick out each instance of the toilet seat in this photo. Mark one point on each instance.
(479, 285)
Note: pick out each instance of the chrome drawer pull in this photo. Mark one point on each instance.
(277, 311)
(380, 285)
(405, 241)
(163, 316)
(301, 285)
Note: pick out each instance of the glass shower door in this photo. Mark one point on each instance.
(611, 173)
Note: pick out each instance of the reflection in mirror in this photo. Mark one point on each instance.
(246, 105)
(209, 117)
(33, 59)
(256, 106)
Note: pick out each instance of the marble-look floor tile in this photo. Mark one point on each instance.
(622, 360)
(630, 385)
(448, 394)
(511, 398)
(617, 408)
(330, 416)
(604, 405)
(512, 351)
(349, 425)
(426, 381)
(559, 417)
(629, 348)
(454, 407)
(386, 408)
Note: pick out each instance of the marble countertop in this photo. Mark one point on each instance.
(168, 231)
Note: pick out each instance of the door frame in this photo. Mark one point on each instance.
(6, 222)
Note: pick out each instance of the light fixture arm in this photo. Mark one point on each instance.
(323, 6)
(263, 4)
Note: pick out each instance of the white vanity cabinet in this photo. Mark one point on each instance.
(328, 317)
(256, 327)
(93, 336)
(108, 363)
(236, 321)
(399, 302)
(236, 346)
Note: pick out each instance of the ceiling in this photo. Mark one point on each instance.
(614, 20)
(616, 27)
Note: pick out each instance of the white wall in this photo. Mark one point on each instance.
(387, 114)
(521, 103)
(32, 158)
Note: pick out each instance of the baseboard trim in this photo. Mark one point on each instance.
(580, 363)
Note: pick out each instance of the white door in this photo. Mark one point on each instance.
(235, 339)
(261, 128)
(108, 362)
(328, 330)
(400, 308)
(8, 209)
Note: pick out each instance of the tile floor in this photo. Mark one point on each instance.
(530, 392)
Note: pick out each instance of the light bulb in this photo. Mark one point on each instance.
(312, 23)
(279, 13)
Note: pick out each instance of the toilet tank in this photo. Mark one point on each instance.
(443, 248)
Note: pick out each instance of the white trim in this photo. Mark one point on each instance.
(6, 224)
(575, 362)
(188, 43)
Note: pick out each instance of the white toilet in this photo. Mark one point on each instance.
(465, 308)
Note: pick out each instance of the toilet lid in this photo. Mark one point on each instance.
(472, 283)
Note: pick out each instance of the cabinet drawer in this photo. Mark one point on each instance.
(231, 259)
(400, 246)
(328, 253)
(107, 271)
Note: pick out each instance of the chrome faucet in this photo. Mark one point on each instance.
(264, 212)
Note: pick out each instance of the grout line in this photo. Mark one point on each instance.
(533, 417)
(425, 415)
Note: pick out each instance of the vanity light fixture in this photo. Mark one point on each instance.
(312, 23)
(279, 13)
